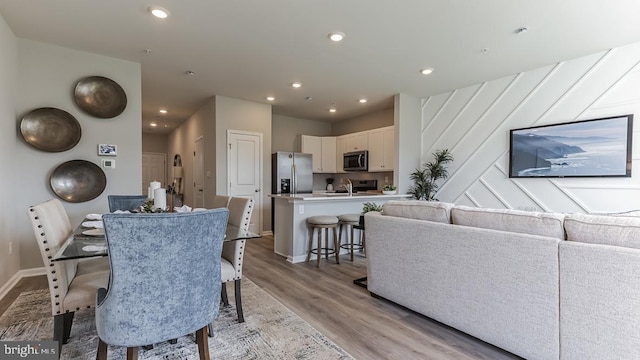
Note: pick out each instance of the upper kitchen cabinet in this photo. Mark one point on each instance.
(356, 142)
(323, 149)
(381, 149)
(340, 145)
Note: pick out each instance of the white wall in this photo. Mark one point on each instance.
(474, 123)
(181, 141)
(286, 132)
(155, 143)
(47, 75)
(9, 180)
(234, 114)
(369, 121)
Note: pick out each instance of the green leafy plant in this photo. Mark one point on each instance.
(426, 179)
(371, 206)
(389, 187)
(149, 207)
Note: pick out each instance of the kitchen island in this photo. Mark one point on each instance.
(291, 233)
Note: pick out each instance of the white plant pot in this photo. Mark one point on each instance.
(389, 192)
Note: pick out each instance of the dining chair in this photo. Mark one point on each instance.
(125, 202)
(162, 279)
(221, 201)
(240, 209)
(72, 283)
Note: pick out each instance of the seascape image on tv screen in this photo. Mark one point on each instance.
(588, 148)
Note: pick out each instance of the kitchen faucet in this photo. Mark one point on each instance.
(349, 187)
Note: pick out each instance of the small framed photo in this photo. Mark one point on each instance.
(107, 150)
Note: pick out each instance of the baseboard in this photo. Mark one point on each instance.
(17, 277)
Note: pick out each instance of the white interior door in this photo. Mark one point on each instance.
(198, 173)
(154, 168)
(244, 162)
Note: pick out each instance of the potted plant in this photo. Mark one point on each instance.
(426, 180)
(389, 189)
(369, 206)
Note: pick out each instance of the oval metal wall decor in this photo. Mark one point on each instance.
(78, 181)
(50, 129)
(100, 96)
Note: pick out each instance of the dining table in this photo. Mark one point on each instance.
(82, 243)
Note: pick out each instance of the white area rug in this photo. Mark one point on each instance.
(270, 331)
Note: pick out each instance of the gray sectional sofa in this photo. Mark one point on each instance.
(539, 285)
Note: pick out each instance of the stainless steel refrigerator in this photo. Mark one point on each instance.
(292, 173)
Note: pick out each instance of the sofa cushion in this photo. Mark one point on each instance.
(525, 222)
(608, 230)
(419, 210)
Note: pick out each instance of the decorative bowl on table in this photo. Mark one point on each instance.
(389, 192)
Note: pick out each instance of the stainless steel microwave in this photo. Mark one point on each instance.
(356, 161)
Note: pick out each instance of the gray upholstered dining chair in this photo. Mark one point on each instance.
(221, 201)
(240, 209)
(164, 283)
(125, 202)
(72, 283)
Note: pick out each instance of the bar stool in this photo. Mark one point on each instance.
(323, 223)
(349, 220)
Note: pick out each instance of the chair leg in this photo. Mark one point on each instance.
(319, 247)
(223, 294)
(68, 321)
(352, 240)
(336, 244)
(326, 243)
(310, 244)
(132, 353)
(62, 328)
(102, 350)
(239, 301)
(203, 343)
(210, 329)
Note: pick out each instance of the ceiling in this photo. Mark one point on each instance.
(251, 49)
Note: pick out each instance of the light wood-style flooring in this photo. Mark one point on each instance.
(366, 327)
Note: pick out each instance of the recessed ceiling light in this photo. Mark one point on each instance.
(336, 36)
(332, 110)
(521, 30)
(426, 71)
(308, 98)
(159, 12)
(270, 98)
(189, 72)
(296, 85)
(163, 111)
(153, 124)
(362, 101)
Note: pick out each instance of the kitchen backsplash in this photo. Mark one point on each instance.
(320, 180)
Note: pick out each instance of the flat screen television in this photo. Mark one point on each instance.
(588, 148)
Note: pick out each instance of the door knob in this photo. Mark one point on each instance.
(200, 190)
(257, 190)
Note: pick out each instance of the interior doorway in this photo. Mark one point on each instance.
(198, 173)
(244, 171)
(154, 168)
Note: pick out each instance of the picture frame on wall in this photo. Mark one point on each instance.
(107, 150)
(588, 148)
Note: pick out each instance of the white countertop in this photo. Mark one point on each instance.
(338, 196)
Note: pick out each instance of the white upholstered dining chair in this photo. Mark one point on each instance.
(221, 201)
(72, 283)
(240, 209)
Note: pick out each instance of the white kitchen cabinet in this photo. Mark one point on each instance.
(323, 149)
(340, 145)
(356, 142)
(381, 149)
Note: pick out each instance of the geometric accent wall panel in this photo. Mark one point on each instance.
(474, 123)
